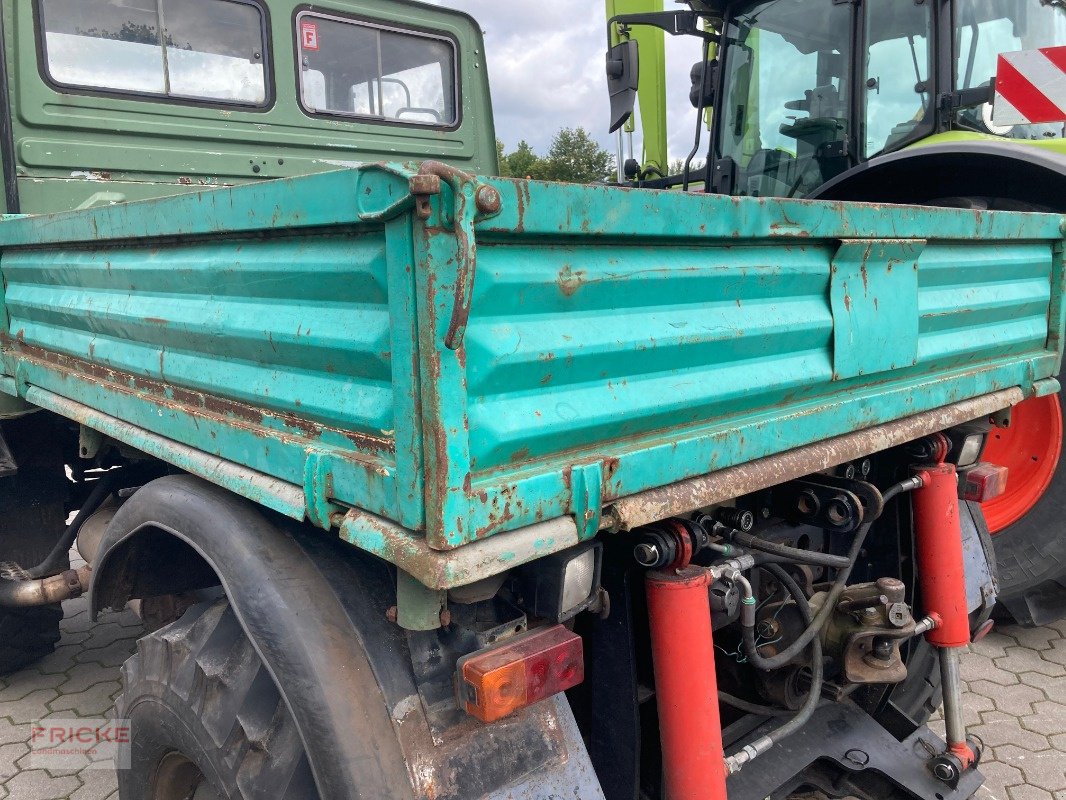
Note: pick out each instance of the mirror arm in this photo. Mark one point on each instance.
(676, 23)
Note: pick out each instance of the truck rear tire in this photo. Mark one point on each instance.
(27, 635)
(207, 720)
(32, 512)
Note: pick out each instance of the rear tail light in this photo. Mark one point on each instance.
(984, 482)
(523, 670)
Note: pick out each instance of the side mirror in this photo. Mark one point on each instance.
(623, 76)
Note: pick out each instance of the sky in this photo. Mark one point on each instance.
(546, 68)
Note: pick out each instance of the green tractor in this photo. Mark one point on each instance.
(891, 102)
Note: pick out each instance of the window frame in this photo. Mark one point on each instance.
(152, 97)
(313, 12)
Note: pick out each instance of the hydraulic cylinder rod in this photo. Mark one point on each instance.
(686, 688)
(942, 577)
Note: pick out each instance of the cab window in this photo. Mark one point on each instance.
(898, 99)
(211, 50)
(355, 69)
(784, 116)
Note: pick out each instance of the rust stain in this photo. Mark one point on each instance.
(197, 403)
(570, 281)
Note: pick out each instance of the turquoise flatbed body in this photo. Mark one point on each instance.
(429, 361)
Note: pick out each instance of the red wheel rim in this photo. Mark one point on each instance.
(1030, 450)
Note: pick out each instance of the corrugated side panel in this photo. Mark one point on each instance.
(295, 327)
(576, 348)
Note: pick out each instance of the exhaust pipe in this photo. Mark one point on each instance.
(44, 591)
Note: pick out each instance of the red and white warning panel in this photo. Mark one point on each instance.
(1030, 87)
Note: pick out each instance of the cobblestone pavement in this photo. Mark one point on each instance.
(1015, 680)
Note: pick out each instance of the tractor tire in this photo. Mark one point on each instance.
(32, 512)
(207, 720)
(1030, 552)
(1031, 555)
(27, 635)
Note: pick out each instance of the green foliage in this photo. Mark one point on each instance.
(574, 157)
(502, 160)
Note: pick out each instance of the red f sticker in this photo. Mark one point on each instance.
(309, 33)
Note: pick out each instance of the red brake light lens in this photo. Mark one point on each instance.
(523, 670)
(984, 482)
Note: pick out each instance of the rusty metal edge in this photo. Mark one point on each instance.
(281, 496)
(447, 569)
(689, 495)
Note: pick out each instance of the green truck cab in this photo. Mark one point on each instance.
(99, 110)
(407, 466)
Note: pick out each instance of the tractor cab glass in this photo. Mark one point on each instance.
(897, 94)
(986, 28)
(785, 111)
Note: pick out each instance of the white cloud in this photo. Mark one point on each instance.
(546, 69)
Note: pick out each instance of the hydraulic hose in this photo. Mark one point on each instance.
(56, 560)
(814, 695)
(837, 588)
(790, 553)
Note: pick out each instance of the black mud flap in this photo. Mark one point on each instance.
(844, 752)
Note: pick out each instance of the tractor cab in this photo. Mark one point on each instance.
(802, 91)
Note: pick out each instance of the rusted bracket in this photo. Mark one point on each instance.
(473, 200)
(586, 504)
(318, 489)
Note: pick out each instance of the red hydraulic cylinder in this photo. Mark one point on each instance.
(941, 568)
(686, 687)
(942, 577)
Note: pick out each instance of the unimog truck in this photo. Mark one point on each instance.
(434, 484)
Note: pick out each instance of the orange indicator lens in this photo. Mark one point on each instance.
(519, 672)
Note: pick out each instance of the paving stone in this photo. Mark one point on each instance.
(97, 784)
(980, 667)
(1017, 699)
(93, 702)
(1034, 638)
(1048, 718)
(1020, 659)
(26, 682)
(1046, 769)
(9, 757)
(36, 784)
(998, 776)
(998, 728)
(1027, 792)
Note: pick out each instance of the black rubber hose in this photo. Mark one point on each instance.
(837, 588)
(56, 560)
(752, 708)
(814, 695)
(791, 553)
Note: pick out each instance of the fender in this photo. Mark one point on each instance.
(314, 608)
(1014, 174)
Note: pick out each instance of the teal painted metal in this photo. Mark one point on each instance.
(459, 357)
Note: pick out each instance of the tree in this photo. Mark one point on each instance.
(575, 157)
(503, 160)
(524, 163)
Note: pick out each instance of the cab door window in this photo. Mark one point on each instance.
(897, 95)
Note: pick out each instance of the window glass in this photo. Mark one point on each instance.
(898, 100)
(209, 49)
(354, 69)
(986, 28)
(786, 96)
